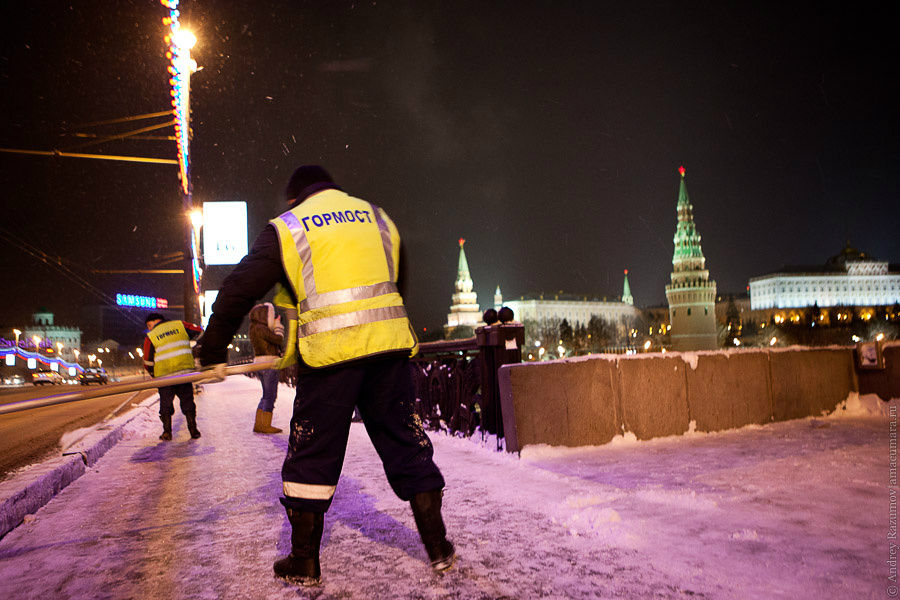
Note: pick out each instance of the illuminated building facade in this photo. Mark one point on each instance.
(691, 294)
(50, 335)
(849, 279)
(577, 310)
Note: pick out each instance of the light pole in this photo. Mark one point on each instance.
(76, 353)
(180, 41)
(37, 343)
(18, 332)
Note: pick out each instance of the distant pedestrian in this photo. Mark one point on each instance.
(337, 259)
(267, 337)
(167, 351)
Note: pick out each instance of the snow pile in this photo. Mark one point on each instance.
(867, 405)
(627, 438)
(144, 423)
(70, 438)
(691, 358)
(590, 514)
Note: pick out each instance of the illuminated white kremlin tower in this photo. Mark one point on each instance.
(464, 311)
(692, 294)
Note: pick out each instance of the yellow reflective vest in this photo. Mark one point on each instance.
(340, 255)
(171, 349)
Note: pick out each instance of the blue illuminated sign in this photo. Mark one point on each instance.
(141, 301)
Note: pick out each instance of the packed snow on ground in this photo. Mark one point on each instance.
(789, 510)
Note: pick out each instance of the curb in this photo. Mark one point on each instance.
(25, 493)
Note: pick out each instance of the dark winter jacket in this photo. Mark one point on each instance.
(266, 335)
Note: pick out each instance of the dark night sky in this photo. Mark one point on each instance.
(547, 134)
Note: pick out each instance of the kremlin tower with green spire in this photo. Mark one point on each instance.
(464, 311)
(627, 298)
(691, 294)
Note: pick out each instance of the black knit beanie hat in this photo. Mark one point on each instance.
(307, 180)
(154, 317)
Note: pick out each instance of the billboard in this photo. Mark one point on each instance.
(224, 232)
(209, 296)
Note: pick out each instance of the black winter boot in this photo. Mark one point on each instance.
(167, 428)
(426, 508)
(301, 566)
(192, 426)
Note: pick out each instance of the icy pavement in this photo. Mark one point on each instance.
(790, 510)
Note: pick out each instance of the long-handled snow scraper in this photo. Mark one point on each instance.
(211, 375)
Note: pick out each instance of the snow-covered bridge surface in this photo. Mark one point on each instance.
(789, 510)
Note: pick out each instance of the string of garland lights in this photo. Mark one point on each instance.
(181, 67)
(34, 357)
(180, 42)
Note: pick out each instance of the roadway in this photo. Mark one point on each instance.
(33, 435)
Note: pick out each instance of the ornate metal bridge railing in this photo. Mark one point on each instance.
(456, 380)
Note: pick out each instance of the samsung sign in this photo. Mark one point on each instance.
(141, 301)
(224, 232)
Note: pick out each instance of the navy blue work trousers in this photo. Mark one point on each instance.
(185, 393)
(384, 393)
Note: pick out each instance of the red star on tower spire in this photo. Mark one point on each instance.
(461, 242)
(681, 170)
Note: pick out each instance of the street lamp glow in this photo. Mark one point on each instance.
(196, 217)
(879, 337)
(773, 341)
(18, 332)
(646, 345)
(37, 343)
(76, 353)
(184, 39)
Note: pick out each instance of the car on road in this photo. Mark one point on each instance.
(93, 375)
(14, 379)
(46, 377)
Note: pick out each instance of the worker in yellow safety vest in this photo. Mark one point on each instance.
(337, 260)
(167, 351)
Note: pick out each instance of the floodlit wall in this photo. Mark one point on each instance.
(589, 400)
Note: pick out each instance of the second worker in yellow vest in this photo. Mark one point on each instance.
(167, 351)
(336, 261)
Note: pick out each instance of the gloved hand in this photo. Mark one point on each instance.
(215, 372)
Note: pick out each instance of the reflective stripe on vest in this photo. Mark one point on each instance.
(385, 240)
(347, 295)
(359, 317)
(299, 234)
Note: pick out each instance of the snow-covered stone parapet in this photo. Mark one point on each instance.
(590, 400)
